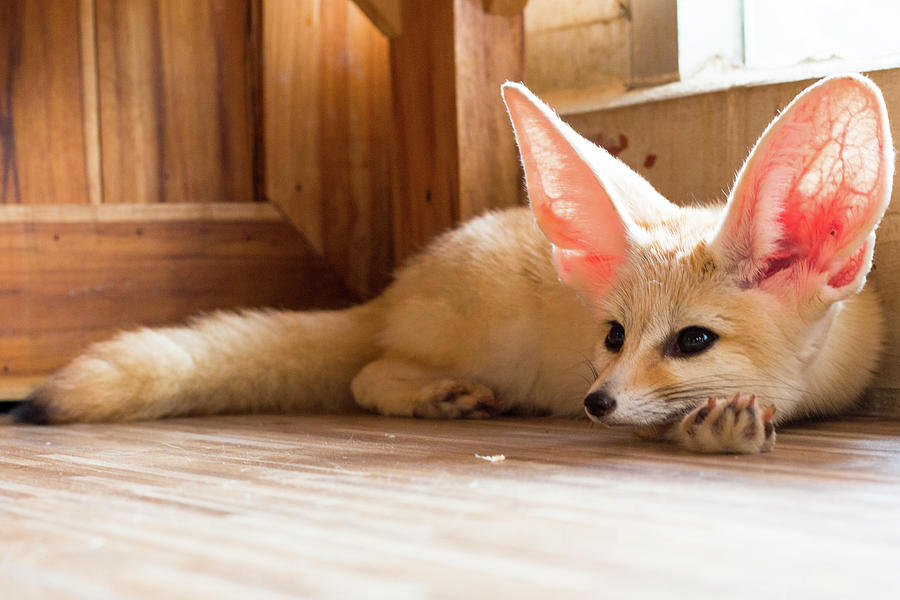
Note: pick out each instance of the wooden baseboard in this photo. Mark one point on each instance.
(18, 388)
(77, 274)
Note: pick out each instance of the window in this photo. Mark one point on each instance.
(600, 45)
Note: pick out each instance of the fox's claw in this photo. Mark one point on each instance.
(455, 399)
(737, 425)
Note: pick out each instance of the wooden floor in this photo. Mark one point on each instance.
(368, 507)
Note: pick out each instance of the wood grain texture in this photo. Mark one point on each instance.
(328, 133)
(384, 14)
(490, 49)
(90, 94)
(426, 167)
(68, 283)
(354, 149)
(455, 154)
(366, 507)
(654, 42)
(292, 50)
(42, 137)
(504, 8)
(690, 148)
(577, 44)
(176, 110)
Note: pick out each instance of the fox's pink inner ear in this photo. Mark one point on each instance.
(806, 202)
(571, 205)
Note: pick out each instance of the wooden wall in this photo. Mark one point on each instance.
(42, 131)
(127, 102)
(135, 183)
(328, 128)
(159, 157)
(455, 153)
(577, 46)
(176, 99)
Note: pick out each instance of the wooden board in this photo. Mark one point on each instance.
(577, 44)
(354, 148)
(176, 92)
(42, 135)
(366, 507)
(292, 51)
(426, 170)
(384, 14)
(328, 133)
(506, 8)
(690, 148)
(455, 154)
(490, 49)
(78, 279)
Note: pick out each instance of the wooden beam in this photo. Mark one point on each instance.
(126, 213)
(327, 123)
(177, 83)
(654, 42)
(81, 275)
(455, 154)
(384, 14)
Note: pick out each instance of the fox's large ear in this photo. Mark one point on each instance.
(802, 214)
(574, 206)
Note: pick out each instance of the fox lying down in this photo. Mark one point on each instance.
(705, 326)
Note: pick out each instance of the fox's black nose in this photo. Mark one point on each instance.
(599, 403)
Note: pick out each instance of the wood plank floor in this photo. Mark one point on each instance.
(369, 507)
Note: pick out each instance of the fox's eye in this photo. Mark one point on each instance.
(616, 337)
(692, 340)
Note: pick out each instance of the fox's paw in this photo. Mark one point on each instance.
(455, 399)
(736, 426)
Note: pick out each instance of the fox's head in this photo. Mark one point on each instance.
(699, 302)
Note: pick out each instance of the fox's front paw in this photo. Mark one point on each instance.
(736, 426)
(455, 399)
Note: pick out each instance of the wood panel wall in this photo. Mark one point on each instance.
(127, 102)
(456, 155)
(42, 132)
(131, 138)
(176, 100)
(219, 153)
(328, 133)
(71, 277)
(577, 45)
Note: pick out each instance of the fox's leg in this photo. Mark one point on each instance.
(398, 387)
(736, 425)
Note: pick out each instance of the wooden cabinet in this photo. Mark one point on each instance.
(163, 157)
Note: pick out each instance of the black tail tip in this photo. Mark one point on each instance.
(30, 411)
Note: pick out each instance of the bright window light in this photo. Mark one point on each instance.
(762, 34)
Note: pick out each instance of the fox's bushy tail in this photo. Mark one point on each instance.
(251, 361)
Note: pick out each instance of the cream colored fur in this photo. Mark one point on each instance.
(479, 324)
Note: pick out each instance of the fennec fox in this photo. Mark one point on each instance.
(694, 324)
